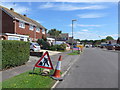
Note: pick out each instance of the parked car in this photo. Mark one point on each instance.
(34, 47)
(110, 46)
(67, 46)
(103, 45)
(117, 47)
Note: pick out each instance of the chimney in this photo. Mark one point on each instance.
(25, 15)
(11, 9)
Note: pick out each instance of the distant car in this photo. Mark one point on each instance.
(87, 46)
(34, 47)
(93, 46)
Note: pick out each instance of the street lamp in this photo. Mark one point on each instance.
(72, 33)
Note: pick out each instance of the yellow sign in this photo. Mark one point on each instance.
(80, 46)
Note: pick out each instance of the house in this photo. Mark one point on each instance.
(51, 41)
(16, 25)
(62, 37)
(71, 40)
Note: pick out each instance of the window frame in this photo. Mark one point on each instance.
(30, 27)
(21, 24)
(37, 29)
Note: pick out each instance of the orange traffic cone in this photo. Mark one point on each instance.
(56, 74)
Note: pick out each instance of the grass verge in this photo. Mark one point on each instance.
(74, 53)
(26, 80)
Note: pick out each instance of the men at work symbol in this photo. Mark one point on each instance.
(44, 62)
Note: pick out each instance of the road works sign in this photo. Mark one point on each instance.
(44, 62)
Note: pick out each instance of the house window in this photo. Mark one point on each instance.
(31, 27)
(37, 29)
(43, 31)
(21, 24)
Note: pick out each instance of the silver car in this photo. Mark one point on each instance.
(34, 47)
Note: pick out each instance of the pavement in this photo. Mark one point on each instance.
(54, 55)
(95, 68)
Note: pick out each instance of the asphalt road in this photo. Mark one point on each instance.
(95, 68)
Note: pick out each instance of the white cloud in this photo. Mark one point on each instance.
(70, 7)
(86, 0)
(91, 15)
(82, 25)
(17, 8)
(47, 5)
(61, 1)
(92, 35)
(84, 30)
(86, 35)
(85, 25)
(112, 35)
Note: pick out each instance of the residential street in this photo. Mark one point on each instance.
(95, 68)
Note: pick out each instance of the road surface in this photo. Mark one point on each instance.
(95, 68)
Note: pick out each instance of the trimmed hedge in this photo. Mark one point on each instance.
(14, 53)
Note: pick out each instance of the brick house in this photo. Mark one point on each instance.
(16, 25)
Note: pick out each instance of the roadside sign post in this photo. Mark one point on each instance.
(44, 62)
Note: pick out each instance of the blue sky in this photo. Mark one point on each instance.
(94, 20)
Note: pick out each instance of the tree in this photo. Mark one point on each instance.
(109, 38)
(55, 33)
(103, 40)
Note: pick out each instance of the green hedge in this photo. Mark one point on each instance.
(14, 53)
(58, 47)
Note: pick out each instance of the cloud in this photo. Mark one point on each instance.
(82, 25)
(86, 0)
(17, 8)
(61, 1)
(47, 5)
(112, 35)
(85, 25)
(91, 15)
(70, 7)
(84, 34)
(85, 30)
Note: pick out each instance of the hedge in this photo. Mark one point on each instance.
(58, 47)
(14, 53)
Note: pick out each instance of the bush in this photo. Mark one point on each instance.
(63, 47)
(58, 47)
(44, 44)
(14, 53)
(54, 47)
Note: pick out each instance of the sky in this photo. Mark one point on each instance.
(95, 20)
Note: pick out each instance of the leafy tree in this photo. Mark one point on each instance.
(55, 33)
(78, 40)
(103, 40)
(96, 42)
(109, 38)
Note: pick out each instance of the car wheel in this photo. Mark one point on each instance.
(31, 50)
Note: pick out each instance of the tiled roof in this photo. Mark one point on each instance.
(22, 17)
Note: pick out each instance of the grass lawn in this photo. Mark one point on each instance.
(26, 80)
(74, 53)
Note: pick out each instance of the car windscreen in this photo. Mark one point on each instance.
(36, 44)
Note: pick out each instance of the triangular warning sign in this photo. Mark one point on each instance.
(44, 62)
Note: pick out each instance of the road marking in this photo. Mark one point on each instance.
(70, 65)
